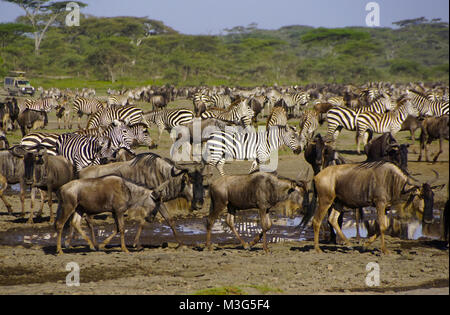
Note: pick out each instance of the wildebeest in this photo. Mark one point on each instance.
(13, 171)
(378, 184)
(97, 195)
(241, 192)
(433, 128)
(386, 148)
(411, 124)
(158, 102)
(31, 119)
(48, 173)
(151, 171)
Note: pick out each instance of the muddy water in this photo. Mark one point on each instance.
(192, 232)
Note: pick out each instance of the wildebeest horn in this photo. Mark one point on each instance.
(18, 151)
(433, 180)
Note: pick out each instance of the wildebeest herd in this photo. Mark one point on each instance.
(96, 169)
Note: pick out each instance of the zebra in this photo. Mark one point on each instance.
(167, 119)
(277, 117)
(294, 101)
(237, 113)
(41, 105)
(309, 122)
(428, 107)
(380, 123)
(119, 133)
(83, 151)
(256, 146)
(339, 117)
(121, 100)
(86, 106)
(141, 136)
(129, 114)
(37, 139)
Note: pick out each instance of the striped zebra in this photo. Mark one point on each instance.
(428, 107)
(41, 105)
(167, 119)
(256, 146)
(238, 113)
(120, 134)
(47, 139)
(339, 117)
(380, 123)
(277, 117)
(273, 96)
(83, 151)
(309, 122)
(86, 106)
(129, 114)
(294, 102)
(141, 136)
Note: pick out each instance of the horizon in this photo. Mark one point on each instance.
(216, 16)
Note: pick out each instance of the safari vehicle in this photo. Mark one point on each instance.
(17, 84)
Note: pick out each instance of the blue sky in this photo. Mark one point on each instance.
(212, 16)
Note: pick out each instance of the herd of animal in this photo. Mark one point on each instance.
(95, 169)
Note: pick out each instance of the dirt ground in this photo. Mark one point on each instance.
(418, 266)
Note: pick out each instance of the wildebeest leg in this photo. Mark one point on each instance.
(64, 213)
(22, 198)
(137, 243)
(383, 224)
(266, 224)
(216, 207)
(165, 214)
(77, 225)
(333, 219)
(90, 224)
(50, 204)
(3, 186)
(358, 216)
(33, 197)
(440, 150)
(230, 223)
(120, 226)
(324, 204)
(41, 206)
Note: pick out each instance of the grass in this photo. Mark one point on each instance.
(221, 291)
(238, 290)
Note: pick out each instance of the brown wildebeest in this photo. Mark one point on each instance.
(104, 194)
(386, 148)
(433, 128)
(378, 184)
(48, 173)
(240, 192)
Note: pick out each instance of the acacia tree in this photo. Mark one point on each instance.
(10, 31)
(41, 14)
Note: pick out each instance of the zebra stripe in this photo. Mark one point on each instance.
(380, 123)
(294, 101)
(277, 117)
(340, 117)
(427, 107)
(167, 119)
(256, 146)
(86, 106)
(120, 135)
(48, 140)
(129, 114)
(237, 113)
(42, 105)
(309, 122)
(83, 151)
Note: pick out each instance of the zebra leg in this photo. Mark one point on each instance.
(219, 167)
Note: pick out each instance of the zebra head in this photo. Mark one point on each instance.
(291, 138)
